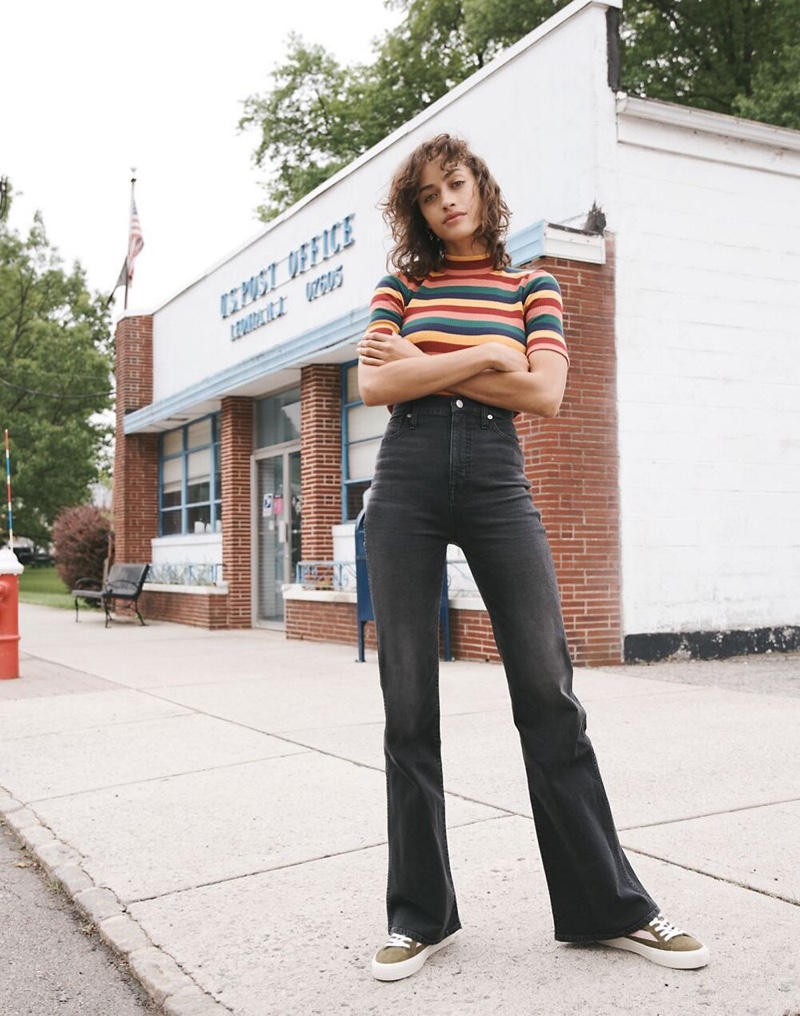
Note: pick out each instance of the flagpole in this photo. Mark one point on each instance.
(8, 493)
(127, 262)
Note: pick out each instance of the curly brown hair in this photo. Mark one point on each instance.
(417, 251)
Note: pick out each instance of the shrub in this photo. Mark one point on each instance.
(81, 541)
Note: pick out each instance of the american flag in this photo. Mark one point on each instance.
(135, 240)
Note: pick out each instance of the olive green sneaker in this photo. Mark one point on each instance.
(663, 943)
(402, 956)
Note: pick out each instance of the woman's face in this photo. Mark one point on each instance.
(450, 202)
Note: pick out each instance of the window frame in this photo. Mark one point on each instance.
(182, 509)
(350, 481)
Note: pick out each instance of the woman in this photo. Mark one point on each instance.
(457, 343)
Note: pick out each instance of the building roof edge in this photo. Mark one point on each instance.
(703, 120)
(512, 53)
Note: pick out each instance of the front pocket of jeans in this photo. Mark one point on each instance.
(506, 430)
(394, 428)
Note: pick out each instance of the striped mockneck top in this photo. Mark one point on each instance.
(467, 302)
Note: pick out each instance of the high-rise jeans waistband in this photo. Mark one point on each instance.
(444, 405)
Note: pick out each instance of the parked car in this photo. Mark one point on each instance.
(29, 554)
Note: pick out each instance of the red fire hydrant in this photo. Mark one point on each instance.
(10, 571)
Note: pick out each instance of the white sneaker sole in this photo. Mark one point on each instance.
(685, 960)
(405, 968)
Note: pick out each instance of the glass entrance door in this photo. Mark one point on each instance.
(278, 513)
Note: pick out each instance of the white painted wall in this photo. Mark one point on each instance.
(539, 115)
(708, 323)
(190, 560)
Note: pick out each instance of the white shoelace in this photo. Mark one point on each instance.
(661, 926)
(398, 941)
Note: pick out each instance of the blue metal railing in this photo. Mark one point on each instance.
(182, 574)
(333, 575)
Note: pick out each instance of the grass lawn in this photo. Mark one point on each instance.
(43, 587)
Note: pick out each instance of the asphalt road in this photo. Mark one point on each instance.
(51, 962)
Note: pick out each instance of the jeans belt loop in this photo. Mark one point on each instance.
(485, 417)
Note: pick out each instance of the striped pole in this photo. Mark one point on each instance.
(8, 493)
(10, 571)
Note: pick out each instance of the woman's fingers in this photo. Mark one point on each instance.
(376, 348)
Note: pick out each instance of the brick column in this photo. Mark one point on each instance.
(236, 447)
(573, 463)
(135, 495)
(320, 458)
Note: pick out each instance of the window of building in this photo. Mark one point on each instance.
(191, 489)
(362, 429)
(278, 419)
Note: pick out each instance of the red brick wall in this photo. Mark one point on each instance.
(318, 621)
(471, 635)
(573, 464)
(236, 447)
(200, 610)
(320, 458)
(135, 496)
(574, 469)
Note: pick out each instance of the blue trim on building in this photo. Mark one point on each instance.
(528, 244)
(523, 247)
(345, 437)
(328, 337)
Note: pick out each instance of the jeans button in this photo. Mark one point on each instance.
(459, 403)
(489, 416)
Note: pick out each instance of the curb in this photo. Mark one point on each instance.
(163, 979)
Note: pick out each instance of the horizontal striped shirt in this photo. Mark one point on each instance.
(468, 302)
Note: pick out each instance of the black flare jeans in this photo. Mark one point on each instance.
(451, 470)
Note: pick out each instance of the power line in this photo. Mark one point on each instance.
(60, 373)
(55, 395)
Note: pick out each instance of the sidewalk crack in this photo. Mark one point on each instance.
(717, 878)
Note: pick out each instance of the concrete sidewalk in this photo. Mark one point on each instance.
(215, 802)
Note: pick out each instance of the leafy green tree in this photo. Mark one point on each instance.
(725, 56)
(775, 94)
(319, 116)
(493, 25)
(308, 129)
(729, 56)
(55, 376)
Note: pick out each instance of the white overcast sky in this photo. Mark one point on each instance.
(89, 89)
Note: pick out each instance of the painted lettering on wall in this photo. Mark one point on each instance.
(251, 289)
(258, 318)
(325, 283)
(307, 256)
(322, 246)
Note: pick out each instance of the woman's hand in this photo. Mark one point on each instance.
(508, 360)
(409, 373)
(539, 390)
(375, 349)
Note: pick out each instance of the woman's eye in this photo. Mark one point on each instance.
(428, 197)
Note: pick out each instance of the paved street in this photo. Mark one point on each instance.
(51, 960)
